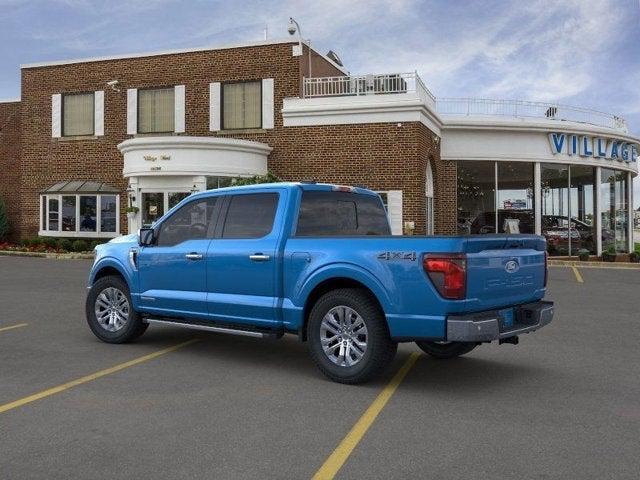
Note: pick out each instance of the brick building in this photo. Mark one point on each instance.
(90, 137)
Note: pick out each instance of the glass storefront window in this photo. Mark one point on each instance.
(476, 197)
(613, 208)
(152, 207)
(582, 209)
(54, 205)
(554, 179)
(108, 213)
(69, 213)
(218, 182)
(515, 198)
(176, 197)
(88, 212)
(77, 215)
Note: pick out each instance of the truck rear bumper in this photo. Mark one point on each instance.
(499, 324)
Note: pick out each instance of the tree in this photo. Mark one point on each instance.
(256, 179)
(4, 221)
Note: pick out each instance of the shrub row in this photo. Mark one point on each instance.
(61, 244)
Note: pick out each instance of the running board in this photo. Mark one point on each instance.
(208, 328)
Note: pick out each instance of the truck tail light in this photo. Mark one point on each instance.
(546, 267)
(448, 273)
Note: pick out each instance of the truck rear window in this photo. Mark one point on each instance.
(330, 214)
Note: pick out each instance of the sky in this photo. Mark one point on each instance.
(577, 52)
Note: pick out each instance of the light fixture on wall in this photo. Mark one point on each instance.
(194, 189)
(114, 85)
(131, 192)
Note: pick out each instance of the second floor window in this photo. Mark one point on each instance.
(242, 105)
(156, 110)
(78, 114)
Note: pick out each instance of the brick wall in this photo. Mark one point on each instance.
(9, 160)
(45, 161)
(379, 156)
(444, 179)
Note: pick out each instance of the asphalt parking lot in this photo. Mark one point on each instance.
(565, 403)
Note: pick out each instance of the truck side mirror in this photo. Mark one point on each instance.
(147, 237)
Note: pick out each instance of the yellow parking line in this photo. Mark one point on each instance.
(94, 376)
(19, 325)
(577, 274)
(334, 463)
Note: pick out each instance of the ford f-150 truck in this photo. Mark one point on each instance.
(318, 261)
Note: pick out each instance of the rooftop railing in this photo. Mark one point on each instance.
(356, 85)
(526, 109)
(399, 83)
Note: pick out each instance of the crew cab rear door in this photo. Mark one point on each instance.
(243, 263)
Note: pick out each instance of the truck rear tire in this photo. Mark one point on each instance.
(110, 313)
(348, 336)
(445, 350)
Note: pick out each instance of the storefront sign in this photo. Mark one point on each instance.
(151, 158)
(597, 147)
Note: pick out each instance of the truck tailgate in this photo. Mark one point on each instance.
(504, 270)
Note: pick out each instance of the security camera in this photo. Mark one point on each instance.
(292, 27)
(113, 84)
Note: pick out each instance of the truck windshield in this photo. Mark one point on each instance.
(330, 214)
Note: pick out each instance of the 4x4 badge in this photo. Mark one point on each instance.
(411, 256)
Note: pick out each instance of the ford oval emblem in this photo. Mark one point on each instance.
(511, 266)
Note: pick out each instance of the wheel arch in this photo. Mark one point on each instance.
(106, 268)
(336, 281)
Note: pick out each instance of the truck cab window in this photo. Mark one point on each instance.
(191, 222)
(325, 214)
(250, 215)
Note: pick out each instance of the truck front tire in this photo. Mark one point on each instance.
(110, 313)
(445, 350)
(348, 336)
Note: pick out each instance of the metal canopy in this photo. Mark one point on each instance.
(81, 186)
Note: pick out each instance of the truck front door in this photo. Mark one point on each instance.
(172, 273)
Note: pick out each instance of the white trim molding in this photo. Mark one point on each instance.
(56, 115)
(346, 110)
(132, 111)
(268, 107)
(179, 109)
(183, 155)
(177, 52)
(98, 113)
(215, 110)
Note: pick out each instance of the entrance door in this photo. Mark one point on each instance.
(242, 265)
(172, 273)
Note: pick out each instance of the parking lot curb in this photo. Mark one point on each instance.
(55, 256)
(603, 265)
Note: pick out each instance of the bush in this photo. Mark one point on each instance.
(50, 242)
(25, 242)
(256, 179)
(95, 243)
(80, 246)
(4, 221)
(65, 244)
(583, 254)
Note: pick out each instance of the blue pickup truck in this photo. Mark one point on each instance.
(318, 261)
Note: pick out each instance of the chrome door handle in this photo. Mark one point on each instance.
(193, 256)
(259, 257)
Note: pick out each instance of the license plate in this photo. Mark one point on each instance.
(506, 317)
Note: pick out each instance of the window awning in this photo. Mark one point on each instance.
(81, 186)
